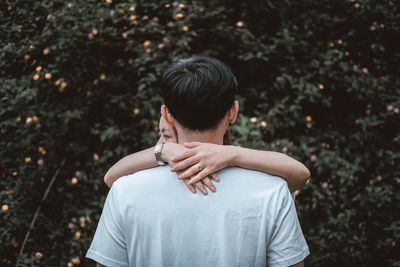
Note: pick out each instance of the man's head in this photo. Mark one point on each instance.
(199, 94)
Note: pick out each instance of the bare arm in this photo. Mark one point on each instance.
(132, 163)
(215, 157)
(275, 163)
(141, 160)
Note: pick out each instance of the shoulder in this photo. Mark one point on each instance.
(252, 183)
(141, 179)
(253, 176)
(140, 188)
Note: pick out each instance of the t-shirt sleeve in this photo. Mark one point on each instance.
(287, 245)
(108, 246)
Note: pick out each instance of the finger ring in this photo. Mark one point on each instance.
(199, 166)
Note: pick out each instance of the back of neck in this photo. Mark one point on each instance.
(209, 136)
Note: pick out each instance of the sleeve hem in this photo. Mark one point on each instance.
(106, 261)
(291, 260)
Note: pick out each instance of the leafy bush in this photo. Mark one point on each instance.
(318, 80)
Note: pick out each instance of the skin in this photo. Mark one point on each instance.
(167, 135)
(214, 136)
(206, 149)
(216, 157)
(183, 159)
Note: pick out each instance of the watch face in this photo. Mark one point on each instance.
(157, 148)
(157, 153)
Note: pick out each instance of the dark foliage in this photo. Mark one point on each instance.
(318, 80)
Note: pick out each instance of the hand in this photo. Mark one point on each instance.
(210, 158)
(171, 150)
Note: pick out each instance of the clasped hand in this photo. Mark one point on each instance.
(197, 164)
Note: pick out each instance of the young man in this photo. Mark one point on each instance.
(149, 219)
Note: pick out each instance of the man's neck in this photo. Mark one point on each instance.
(212, 136)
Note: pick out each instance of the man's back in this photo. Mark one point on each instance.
(151, 219)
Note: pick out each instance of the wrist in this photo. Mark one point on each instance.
(166, 154)
(233, 155)
(157, 153)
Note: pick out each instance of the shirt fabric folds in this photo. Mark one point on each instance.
(150, 218)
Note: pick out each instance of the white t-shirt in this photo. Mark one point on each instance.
(150, 218)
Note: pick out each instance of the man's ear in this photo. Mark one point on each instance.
(233, 112)
(167, 116)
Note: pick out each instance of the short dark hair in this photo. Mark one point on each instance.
(198, 91)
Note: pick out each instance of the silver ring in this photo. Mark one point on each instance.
(199, 166)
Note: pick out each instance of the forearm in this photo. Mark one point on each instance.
(132, 163)
(275, 163)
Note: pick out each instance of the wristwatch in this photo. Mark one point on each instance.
(157, 153)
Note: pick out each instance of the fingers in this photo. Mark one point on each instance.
(207, 182)
(215, 177)
(189, 186)
(194, 170)
(184, 164)
(191, 144)
(199, 176)
(200, 186)
(184, 155)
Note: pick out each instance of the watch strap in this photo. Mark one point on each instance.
(157, 153)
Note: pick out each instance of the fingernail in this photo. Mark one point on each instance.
(205, 192)
(213, 188)
(193, 191)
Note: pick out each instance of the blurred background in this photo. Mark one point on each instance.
(319, 80)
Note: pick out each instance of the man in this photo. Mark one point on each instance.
(150, 219)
